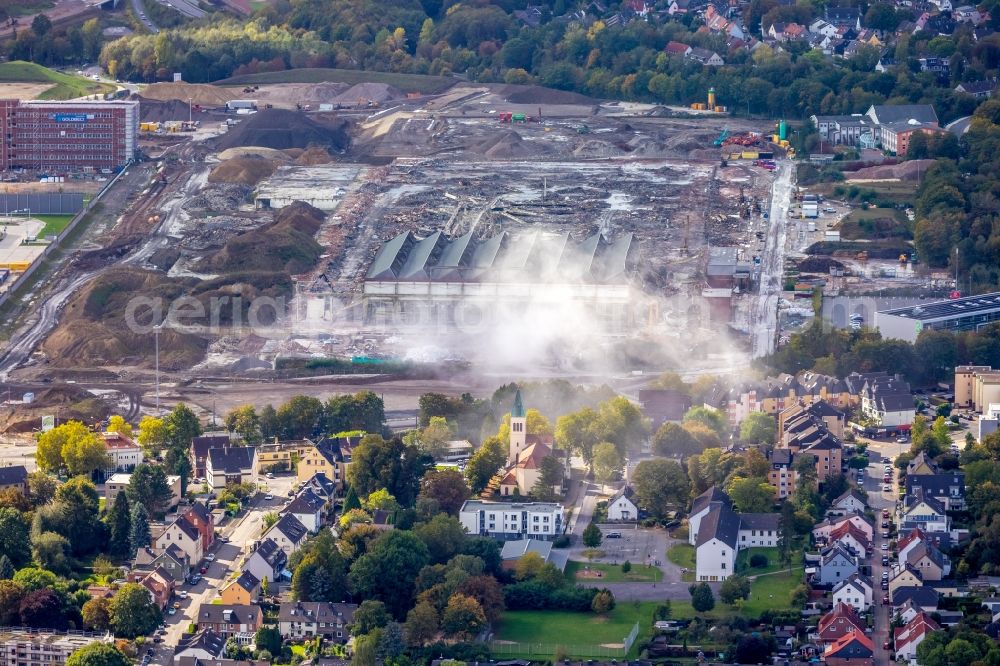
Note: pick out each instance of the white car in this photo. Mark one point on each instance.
(183, 594)
(885, 546)
(887, 488)
(210, 557)
(269, 497)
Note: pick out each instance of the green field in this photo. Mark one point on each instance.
(612, 573)
(773, 564)
(64, 86)
(583, 629)
(772, 592)
(27, 7)
(874, 223)
(405, 82)
(682, 554)
(54, 224)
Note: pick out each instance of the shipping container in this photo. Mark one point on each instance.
(235, 104)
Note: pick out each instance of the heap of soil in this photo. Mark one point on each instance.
(73, 403)
(202, 94)
(156, 111)
(516, 94)
(500, 145)
(282, 129)
(248, 170)
(909, 170)
(313, 156)
(287, 244)
(363, 92)
(257, 151)
(818, 264)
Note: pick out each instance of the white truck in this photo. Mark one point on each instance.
(237, 104)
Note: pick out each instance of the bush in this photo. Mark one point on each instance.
(758, 560)
(626, 566)
(562, 541)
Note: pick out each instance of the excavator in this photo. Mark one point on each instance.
(722, 137)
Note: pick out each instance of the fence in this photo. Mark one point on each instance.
(61, 203)
(608, 651)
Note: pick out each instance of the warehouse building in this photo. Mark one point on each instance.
(62, 137)
(957, 314)
(438, 280)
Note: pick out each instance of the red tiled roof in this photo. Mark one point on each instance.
(841, 610)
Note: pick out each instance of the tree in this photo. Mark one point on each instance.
(321, 574)
(33, 578)
(391, 643)
(604, 602)
(786, 532)
(120, 425)
(85, 454)
(607, 462)
(435, 437)
(733, 588)
(70, 443)
(148, 486)
(421, 624)
(51, 551)
(351, 500)
(710, 418)
(365, 651)
(182, 426)
(390, 464)
(487, 591)
(702, 599)
(153, 434)
(580, 432)
(268, 638)
(484, 463)
(751, 495)
(387, 572)
(14, 542)
(660, 486)
(41, 488)
(245, 422)
(41, 25)
(97, 614)
(622, 423)
(43, 609)
(11, 593)
(447, 487)
(133, 612)
(139, 536)
(671, 439)
(463, 617)
(6, 568)
(550, 477)
(758, 428)
(369, 616)
(443, 535)
(592, 536)
(119, 526)
(270, 427)
(300, 417)
(98, 654)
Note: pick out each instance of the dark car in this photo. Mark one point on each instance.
(885, 560)
(885, 585)
(613, 535)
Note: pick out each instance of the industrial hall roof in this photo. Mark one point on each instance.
(527, 257)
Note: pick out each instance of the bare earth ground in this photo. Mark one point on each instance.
(22, 90)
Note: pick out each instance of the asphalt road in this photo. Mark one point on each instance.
(764, 313)
(187, 7)
(140, 12)
(878, 500)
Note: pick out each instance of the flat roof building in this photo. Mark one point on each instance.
(21, 645)
(956, 314)
(68, 136)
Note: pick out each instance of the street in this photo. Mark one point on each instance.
(764, 311)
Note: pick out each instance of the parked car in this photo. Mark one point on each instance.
(885, 513)
(210, 557)
(885, 600)
(171, 611)
(269, 475)
(885, 560)
(269, 497)
(885, 546)
(183, 594)
(887, 488)
(885, 585)
(885, 534)
(613, 535)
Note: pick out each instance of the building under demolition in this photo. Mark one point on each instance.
(438, 280)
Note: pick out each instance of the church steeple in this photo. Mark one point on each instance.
(518, 411)
(518, 429)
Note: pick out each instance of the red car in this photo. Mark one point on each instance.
(885, 513)
(204, 570)
(885, 600)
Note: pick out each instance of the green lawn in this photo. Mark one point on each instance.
(773, 564)
(54, 224)
(405, 82)
(566, 629)
(874, 223)
(612, 573)
(772, 592)
(682, 554)
(64, 86)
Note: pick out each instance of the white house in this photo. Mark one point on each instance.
(856, 591)
(722, 533)
(183, 534)
(267, 561)
(887, 402)
(825, 528)
(621, 507)
(700, 508)
(853, 501)
(309, 508)
(907, 638)
(123, 453)
(289, 533)
(305, 619)
(230, 464)
(926, 513)
(511, 520)
(119, 481)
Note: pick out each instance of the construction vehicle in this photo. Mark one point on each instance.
(519, 118)
(505, 116)
(722, 137)
(583, 129)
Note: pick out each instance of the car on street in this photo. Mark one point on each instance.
(195, 579)
(613, 535)
(901, 440)
(885, 513)
(886, 488)
(885, 546)
(210, 557)
(885, 534)
(885, 575)
(183, 594)
(885, 585)
(885, 600)
(269, 475)
(203, 570)
(885, 560)
(269, 497)
(171, 611)
(885, 524)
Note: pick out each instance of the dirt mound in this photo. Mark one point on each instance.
(283, 93)
(538, 95)
(203, 94)
(818, 264)
(501, 145)
(597, 149)
(248, 170)
(73, 403)
(313, 156)
(281, 129)
(362, 92)
(157, 111)
(256, 151)
(287, 244)
(910, 170)
(93, 329)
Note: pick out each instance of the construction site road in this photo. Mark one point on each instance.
(764, 314)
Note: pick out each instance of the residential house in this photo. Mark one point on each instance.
(204, 645)
(842, 620)
(621, 506)
(857, 591)
(678, 49)
(705, 57)
(273, 458)
(928, 560)
(823, 529)
(946, 486)
(780, 473)
(173, 560)
(22, 646)
(530, 16)
(123, 453)
(245, 589)
(884, 64)
(908, 541)
(843, 16)
(821, 27)
(853, 501)
(325, 458)
(199, 515)
(887, 402)
(853, 649)
(722, 533)
(289, 533)
(967, 14)
(160, 585)
(836, 564)
(304, 619)
(267, 560)
(926, 513)
(678, 7)
(200, 446)
(512, 520)
(119, 481)
(700, 508)
(183, 534)
(786, 32)
(322, 486)
(666, 405)
(926, 598)
(229, 619)
(904, 575)
(196, 661)
(907, 638)
(309, 508)
(852, 537)
(513, 551)
(14, 476)
(965, 375)
(820, 409)
(232, 464)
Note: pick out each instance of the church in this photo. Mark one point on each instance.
(525, 455)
